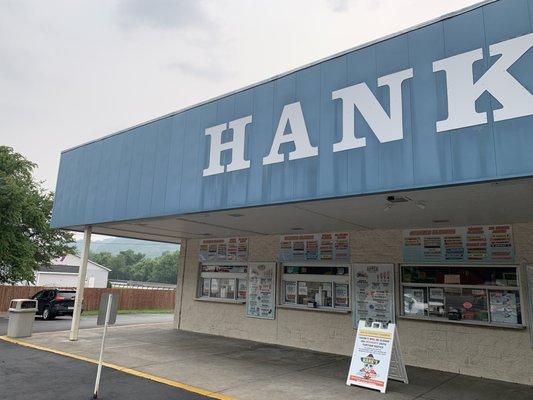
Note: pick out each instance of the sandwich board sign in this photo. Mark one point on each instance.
(376, 357)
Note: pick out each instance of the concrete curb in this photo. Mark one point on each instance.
(165, 381)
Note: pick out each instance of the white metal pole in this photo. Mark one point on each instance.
(82, 273)
(99, 371)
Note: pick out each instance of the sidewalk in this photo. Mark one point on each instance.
(251, 371)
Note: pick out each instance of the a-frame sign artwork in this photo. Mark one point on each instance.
(376, 357)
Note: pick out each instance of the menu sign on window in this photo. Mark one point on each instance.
(481, 244)
(373, 293)
(227, 249)
(319, 247)
(261, 302)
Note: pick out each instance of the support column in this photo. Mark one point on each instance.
(82, 273)
(180, 283)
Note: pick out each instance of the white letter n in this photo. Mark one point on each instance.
(386, 128)
(236, 146)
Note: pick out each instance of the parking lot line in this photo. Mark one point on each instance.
(169, 382)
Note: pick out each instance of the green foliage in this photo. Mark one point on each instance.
(128, 265)
(26, 239)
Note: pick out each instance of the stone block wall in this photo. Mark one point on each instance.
(497, 353)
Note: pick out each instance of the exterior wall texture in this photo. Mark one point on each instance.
(496, 353)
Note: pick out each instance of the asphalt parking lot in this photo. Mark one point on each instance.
(38, 375)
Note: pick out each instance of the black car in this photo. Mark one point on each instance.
(54, 302)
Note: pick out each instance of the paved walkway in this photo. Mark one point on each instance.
(63, 323)
(251, 371)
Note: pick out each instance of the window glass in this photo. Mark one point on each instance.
(414, 301)
(505, 307)
(227, 288)
(316, 286)
(313, 270)
(460, 275)
(459, 293)
(342, 298)
(317, 293)
(242, 285)
(466, 304)
(290, 292)
(227, 282)
(235, 269)
(67, 295)
(215, 288)
(206, 283)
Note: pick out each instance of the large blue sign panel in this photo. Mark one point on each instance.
(447, 103)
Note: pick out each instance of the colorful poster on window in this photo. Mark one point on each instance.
(373, 293)
(503, 307)
(315, 247)
(475, 244)
(290, 292)
(224, 249)
(261, 300)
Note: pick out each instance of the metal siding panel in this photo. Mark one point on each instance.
(530, 7)
(236, 182)
(80, 180)
(473, 147)
(175, 164)
(110, 166)
(94, 156)
(396, 157)
(281, 178)
(513, 139)
(332, 167)
(134, 183)
(305, 170)
(364, 162)
(147, 170)
(432, 161)
(260, 140)
(193, 160)
(139, 176)
(126, 160)
(164, 132)
(214, 187)
(64, 192)
(59, 196)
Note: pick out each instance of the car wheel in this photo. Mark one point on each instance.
(47, 315)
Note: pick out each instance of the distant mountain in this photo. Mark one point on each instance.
(116, 245)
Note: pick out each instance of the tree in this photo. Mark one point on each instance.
(165, 269)
(128, 265)
(26, 239)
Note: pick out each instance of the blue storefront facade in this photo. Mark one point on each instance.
(438, 118)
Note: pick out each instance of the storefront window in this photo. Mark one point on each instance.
(225, 282)
(316, 286)
(487, 295)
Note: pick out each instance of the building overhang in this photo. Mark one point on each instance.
(500, 202)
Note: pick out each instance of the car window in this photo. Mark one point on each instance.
(39, 295)
(67, 295)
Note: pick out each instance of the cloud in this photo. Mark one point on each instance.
(212, 69)
(338, 5)
(162, 14)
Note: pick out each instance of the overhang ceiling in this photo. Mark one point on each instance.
(499, 202)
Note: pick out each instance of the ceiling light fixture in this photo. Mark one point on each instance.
(297, 229)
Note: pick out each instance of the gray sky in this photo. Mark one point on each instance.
(73, 71)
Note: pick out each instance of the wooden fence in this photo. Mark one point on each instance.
(130, 299)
